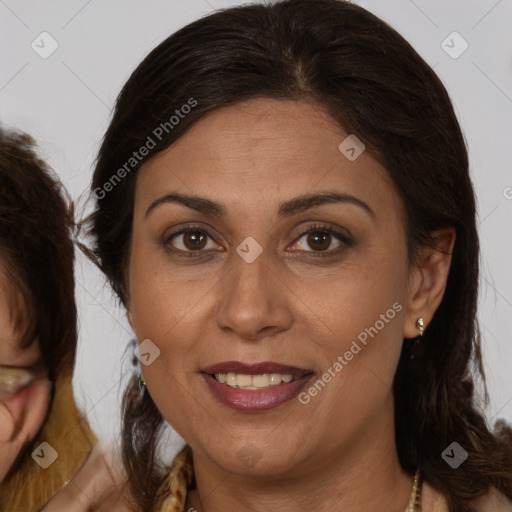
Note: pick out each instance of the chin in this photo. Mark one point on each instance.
(254, 457)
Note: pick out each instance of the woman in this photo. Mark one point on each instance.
(284, 208)
(44, 438)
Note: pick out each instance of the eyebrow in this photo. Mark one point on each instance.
(287, 209)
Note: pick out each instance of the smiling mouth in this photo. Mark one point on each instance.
(255, 386)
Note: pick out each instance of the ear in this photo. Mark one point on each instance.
(427, 280)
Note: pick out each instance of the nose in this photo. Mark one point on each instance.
(253, 299)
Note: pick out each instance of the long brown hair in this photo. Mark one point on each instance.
(374, 84)
(37, 253)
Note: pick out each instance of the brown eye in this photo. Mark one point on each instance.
(319, 239)
(319, 242)
(189, 240)
(194, 240)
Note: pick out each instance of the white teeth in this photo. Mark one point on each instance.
(244, 381)
(275, 379)
(261, 381)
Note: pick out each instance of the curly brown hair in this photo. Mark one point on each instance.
(373, 83)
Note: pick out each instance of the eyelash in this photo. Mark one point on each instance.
(317, 228)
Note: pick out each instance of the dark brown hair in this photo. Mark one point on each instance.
(374, 84)
(37, 255)
(35, 243)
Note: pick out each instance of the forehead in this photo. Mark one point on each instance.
(249, 154)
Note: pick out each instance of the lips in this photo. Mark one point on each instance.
(255, 387)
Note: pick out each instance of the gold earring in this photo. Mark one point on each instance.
(420, 324)
(142, 382)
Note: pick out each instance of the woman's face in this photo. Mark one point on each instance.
(22, 412)
(246, 296)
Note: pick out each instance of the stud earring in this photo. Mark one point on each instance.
(420, 324)
(416, 347)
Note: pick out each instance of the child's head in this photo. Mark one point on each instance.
(37, 307)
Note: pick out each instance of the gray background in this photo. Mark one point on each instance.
(65, 102)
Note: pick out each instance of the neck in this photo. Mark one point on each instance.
(363, 475)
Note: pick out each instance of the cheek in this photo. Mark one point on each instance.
(358, 370)
(359, 329)
(7, 424)
(362, 299)
(8, 447)
(21, 417)
(158, 296)
(165, 311)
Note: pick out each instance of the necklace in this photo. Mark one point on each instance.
(415, 499)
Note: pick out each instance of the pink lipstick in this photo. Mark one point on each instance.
(255, 387)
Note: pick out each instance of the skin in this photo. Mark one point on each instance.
(100, 483)
(23, 413)
(337, 452)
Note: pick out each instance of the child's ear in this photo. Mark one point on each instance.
(428, 278)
